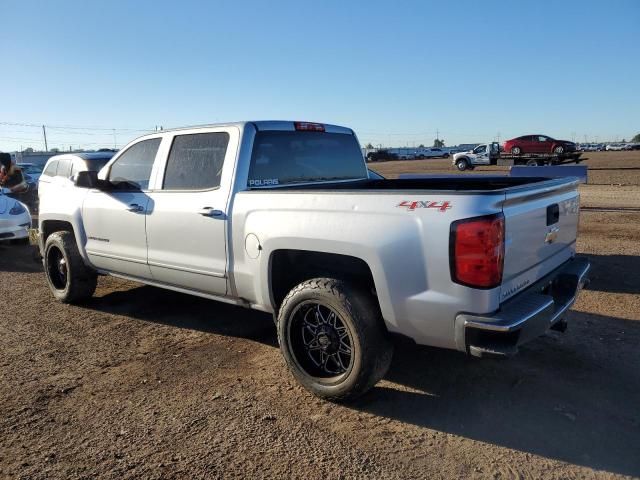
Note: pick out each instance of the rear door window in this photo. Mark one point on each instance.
(291, 157)
(64, 168)
(132, 170)
(195, 161)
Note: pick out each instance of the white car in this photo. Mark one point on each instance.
(431, 153)
(15, 219)
(616, 147)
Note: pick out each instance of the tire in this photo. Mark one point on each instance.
(516, 151)
(559, 150)
(69, 279)
(446, 155)
(462, 164)
(333, 339)
(532, 163)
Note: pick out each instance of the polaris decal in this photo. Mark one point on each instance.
(263, 182)
(411, 206)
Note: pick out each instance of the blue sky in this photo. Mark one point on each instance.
(394, 71)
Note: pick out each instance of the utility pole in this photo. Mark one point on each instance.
(114, 139)
(44, 134)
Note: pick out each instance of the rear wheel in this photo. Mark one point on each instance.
(516, 150)
(333, 339)
(70, 280)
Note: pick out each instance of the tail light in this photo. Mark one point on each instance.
(309, 127)
(477, 251)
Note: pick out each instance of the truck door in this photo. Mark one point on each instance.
(115, 219)
(482, 155)
(186, 231)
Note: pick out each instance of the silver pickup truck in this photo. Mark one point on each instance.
(283, 217)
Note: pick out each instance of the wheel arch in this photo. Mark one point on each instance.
(48, 226)
(289, 267)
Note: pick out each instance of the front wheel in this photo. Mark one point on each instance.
(333, 339)
(69, 279)
(532, 163)
(462, 164)
(516, 150)
(559, 150)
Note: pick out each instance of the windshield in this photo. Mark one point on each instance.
(285, 158)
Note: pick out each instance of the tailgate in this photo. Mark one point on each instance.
(541, 224)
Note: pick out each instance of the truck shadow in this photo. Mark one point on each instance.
(610, 273)
(187, 311)
(572, 397)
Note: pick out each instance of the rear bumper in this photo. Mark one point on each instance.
(525, 316)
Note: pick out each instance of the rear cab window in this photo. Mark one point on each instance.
(299, 157)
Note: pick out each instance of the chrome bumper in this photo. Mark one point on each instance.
(525, 316)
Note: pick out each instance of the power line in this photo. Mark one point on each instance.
(74, 127)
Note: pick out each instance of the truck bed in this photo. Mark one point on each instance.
(457, 183)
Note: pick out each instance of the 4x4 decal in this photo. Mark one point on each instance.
(412, 205)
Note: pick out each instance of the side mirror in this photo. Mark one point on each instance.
(86, 180)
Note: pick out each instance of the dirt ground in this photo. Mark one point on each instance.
(146, 383)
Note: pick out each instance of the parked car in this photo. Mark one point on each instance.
(32, 170)
(541, 144)
(431, 153)
(283, 217)
(617, 147)
(60, 170)
(380, 155)
(15, 220)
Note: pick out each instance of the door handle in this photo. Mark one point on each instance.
(134, 207)
(210, 212)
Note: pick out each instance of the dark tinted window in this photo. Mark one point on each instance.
(96, 165)
(64, 168)
(281, 158)
(133, 168)
(195, 161)
(51, 169)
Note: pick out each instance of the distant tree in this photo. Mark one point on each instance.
(421, 145)
(28, 150)
(624, 141)
(438, 143)
(636, 139)
(368, 145)
(54, 150)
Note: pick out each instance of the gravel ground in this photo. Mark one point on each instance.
(145, 383)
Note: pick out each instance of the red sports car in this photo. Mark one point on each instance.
(538, 144)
